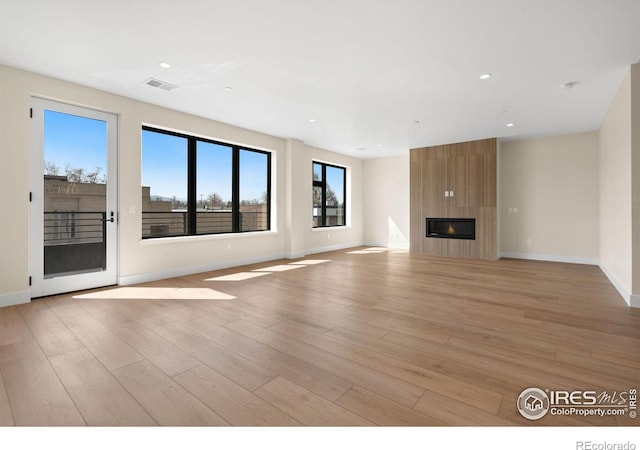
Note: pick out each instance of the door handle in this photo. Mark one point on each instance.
(110, 219)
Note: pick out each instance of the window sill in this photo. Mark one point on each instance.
(206, 237)
(332, 228)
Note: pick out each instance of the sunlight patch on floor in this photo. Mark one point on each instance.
(158, 293)
(240, 276)
(310, 262)
(279, 268)
(370, 250)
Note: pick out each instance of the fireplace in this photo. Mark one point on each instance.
(451, 228)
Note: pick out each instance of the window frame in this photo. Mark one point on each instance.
(323, 185)
(192, 170)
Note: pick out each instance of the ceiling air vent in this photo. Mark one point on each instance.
(160, 84)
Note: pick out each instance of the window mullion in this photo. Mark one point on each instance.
(268, 199)
(324, 195)
(344, 197)
(192, 202)
(235, 190)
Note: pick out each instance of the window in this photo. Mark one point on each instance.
(195, 186)
(329, 195)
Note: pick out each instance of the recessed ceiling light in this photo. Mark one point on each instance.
(228, 88)
(379, 145)
(165, 65)
(312, 120)
(485, 76)
(509, 124)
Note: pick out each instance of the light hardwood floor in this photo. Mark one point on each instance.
(352, 337)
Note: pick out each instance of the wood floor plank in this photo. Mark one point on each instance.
(53, 336)
(164, 399)
(230, 400)
(590, 373)
(97, 394)
(36, 311)
(245, 311)
(382, 411)
(6, 417)
(453, 412)
(385, 385)
(12, 326)
(305, 406)
(628, 357)
(19, 350)
(311, 377)
(36, 395)
(370, 356)
(112, 351)
(166, 356)
(244, 372)
(486, 366)
(368, 329)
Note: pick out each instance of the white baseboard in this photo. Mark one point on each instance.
(386, 245)
(295, 255)
(332, 248)
(632, 300)
(551, 258)
(15, 298)
(128, 280)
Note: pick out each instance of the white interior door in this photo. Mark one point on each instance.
(73, 236)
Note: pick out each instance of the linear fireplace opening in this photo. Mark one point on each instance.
(451, 228)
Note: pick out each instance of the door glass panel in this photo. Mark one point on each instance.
(75, 194)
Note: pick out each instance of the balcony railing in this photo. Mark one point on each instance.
(74, 227)
(176, 223)
(163, 224)
(74, 242)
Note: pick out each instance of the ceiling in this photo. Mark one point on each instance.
(367, 78)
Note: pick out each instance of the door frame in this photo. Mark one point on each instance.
(39, 286)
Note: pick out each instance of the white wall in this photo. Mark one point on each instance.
(635, 189)
(386, 202)
(552, 183)
(615, 191)
(150, 259)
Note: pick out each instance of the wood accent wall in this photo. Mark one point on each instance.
(469, 170)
